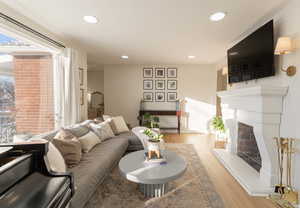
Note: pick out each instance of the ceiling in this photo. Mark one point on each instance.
(148, 31)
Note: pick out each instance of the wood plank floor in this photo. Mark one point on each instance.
(229, 189)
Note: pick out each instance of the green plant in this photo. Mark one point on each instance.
(218, 124)
(150, 121)
(153, 136)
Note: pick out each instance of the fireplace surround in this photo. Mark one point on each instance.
(259, 107)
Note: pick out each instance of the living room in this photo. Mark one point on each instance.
(149, 104)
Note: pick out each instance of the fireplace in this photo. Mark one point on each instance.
(247, 148)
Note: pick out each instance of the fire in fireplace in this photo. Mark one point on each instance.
(247, 148)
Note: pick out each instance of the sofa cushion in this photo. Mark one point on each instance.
(99, 162)
(78, 130)
(89, 141)
(134, 142)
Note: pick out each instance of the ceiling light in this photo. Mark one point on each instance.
(124, 57)
(217, 16)
(191, 57)
(90, 19)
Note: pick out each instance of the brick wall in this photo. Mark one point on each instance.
(34, 94)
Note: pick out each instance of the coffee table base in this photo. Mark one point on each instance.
(153, 190)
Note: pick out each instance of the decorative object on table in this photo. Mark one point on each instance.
(159, 72)
(159, 84)
(148, 97)
(153, 144)
(150, 121)
(285, 46)
(159, 96)
(172, 84)
(81, 76)
(220, 131)
(148, 72)
(285, 195)
(148, 84)
(81, 96)
(172, 72)
(172, 97)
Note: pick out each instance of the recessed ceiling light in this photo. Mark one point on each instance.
(124, 57)
(191, 57)
(90, 19)
(217, 16)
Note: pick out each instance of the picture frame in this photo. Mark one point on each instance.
(172, 96)
(81, 76)
(81, 96)
(160, 96)
(159, 72)
(148, 72)
(172, 72)
(148, 84)
(172, 85)
(160, 84)
(148, 97)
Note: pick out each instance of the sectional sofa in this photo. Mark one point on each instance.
(97, 164)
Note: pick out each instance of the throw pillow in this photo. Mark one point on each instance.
(78, 130)
(102, 130)
(54, 157)
(119, 124)
(89, 141)
(64, 134)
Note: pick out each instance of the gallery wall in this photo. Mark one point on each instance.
(123, 89)
(286, 23)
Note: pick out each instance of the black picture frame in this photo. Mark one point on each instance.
(160, 93)
(158, 70)
(148, 93)
(160, 81)
(144, 84)
(172, 88)
(170, 93)
(169, 72)
(147, 69)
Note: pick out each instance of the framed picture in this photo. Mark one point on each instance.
(148, 84)
(148, 72)
(148, 96)
(81, 96)
(172, 84)
(172, 72)
(172, 96)
(160, 97)
(159, 84)
(81, 76)
(160, 72)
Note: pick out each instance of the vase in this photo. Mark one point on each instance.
(153, 149)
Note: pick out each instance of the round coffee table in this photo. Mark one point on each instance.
(152, 179)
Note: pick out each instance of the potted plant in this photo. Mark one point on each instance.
(153, 144)
(220, 130)
(150, 121)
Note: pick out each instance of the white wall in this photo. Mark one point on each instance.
(95, 80)
(123, 89)
(286, 23)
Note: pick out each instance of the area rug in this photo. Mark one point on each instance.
(193, 190)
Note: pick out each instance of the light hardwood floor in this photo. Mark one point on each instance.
(229, 189)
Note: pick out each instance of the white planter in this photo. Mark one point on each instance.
(154, 148)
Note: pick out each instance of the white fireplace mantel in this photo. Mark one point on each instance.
(260, 107)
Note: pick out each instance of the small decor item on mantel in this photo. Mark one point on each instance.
(285, 195)
(153, 154)
(220, 130)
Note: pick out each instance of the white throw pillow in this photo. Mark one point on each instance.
(103, 130)
(88, 141)
(55, 159)
(119, 124)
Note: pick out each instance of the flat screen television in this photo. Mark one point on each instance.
(253, 57)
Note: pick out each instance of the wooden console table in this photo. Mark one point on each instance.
(162, 113)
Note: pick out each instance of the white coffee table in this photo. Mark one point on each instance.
(152, 180)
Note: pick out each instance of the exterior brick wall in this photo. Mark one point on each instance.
(34, 93)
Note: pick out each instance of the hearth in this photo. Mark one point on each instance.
(247, 148)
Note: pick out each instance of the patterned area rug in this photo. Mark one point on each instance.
(193, 190)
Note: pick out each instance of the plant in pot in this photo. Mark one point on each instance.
(150, 121)
(154, 143)
(220, 130)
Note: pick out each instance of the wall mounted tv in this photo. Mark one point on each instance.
(253, 57)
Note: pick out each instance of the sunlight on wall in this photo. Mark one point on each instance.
(198, 115)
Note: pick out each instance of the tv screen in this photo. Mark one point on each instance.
(253, 57)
